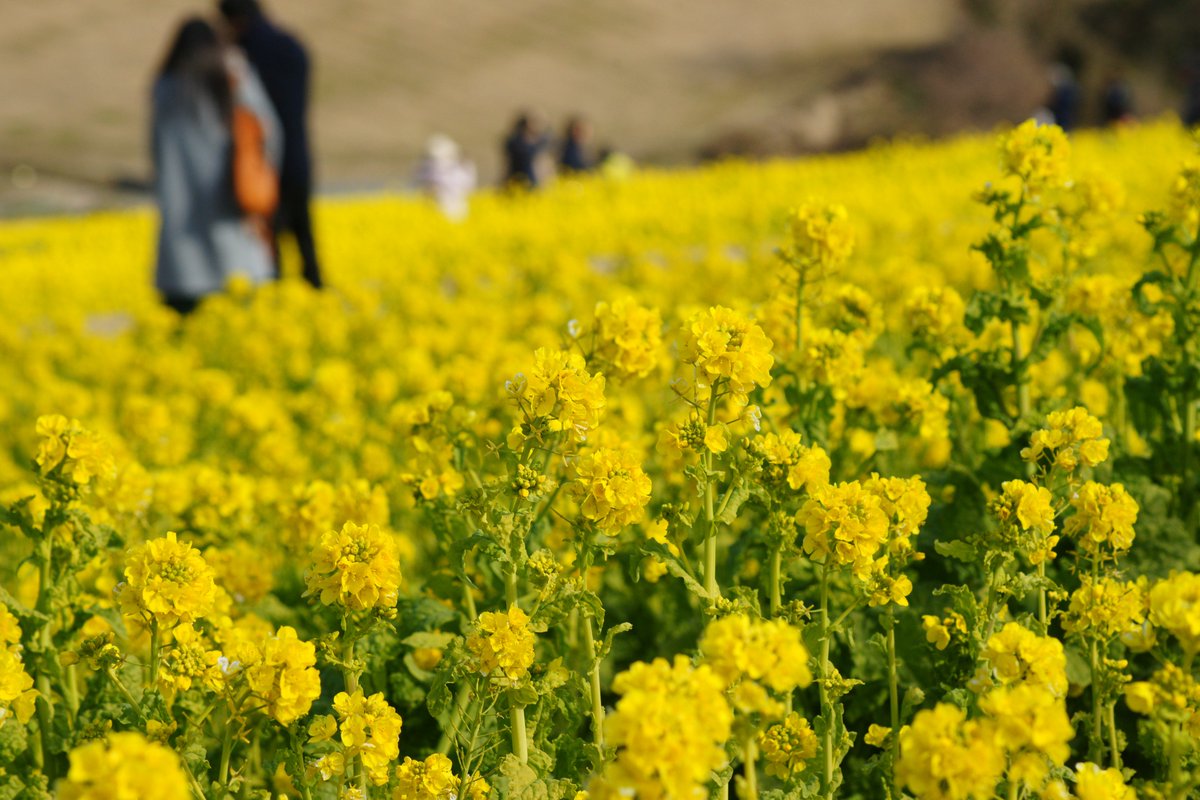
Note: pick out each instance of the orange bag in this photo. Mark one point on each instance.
(255, 184)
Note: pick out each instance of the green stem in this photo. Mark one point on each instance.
(710, 528)
(226, 752)
(45, 700)
(469, 601)
(510, 587)
(750, 770)
(1043, 617)
(893, 695)
(516, 712)
(799, 311)
(826, 701)
(1113, 742)
(776, 564)
(589, 646)
(1096, 737)
(124, 690)
(520, 741)
(1018, 370)
(451, 728)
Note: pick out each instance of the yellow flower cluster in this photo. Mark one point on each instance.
(939, 631)
(669, 729)
(786, 461)
(431, 779)
(752, 656)
(1106, 608)
(1170, 689)
(944, 756)
(1018, 655)
(189, 661)
(167, 581)
(356, 568)
(611, 488)
(67, 444)
(370, 730)
(124, 766)
(1096, 783)
(17, 695)
(1175, 606)
(560, 394)
(844, 524)
(934, 315)
(787, 745)
(283, 675)
(1025, 512)
(821, 235)
(695, 434)
(1036, 154)
(1104, 515)
(1031, 724)
(628, 338)
(726, 345)
(502, 645)
(1070, 439)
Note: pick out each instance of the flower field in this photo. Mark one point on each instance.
(868, 476)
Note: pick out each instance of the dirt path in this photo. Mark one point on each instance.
(658, 77)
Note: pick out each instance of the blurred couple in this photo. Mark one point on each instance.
(232, 168)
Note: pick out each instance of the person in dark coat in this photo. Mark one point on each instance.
(576, 148)
(522, 150)
(283, 66)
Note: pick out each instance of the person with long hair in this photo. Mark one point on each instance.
(204, 237)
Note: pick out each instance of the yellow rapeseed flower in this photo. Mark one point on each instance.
(168, 581)
(124, 766)
(356, 568)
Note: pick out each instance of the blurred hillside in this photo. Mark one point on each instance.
(668, 81)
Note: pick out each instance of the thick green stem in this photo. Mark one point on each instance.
(520, 742)
(1096, 737)
(776, 592)
(750, 770)
(893, 695)
(226, 752)
(510, 587)
(826, 701)
(1114, 744)
(589, 646)
(469, 602)
(516, 712)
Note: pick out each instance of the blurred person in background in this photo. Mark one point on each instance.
(204, 237)
(283, 65)
(1063, 102)
(446, 176)
(524, 150)
(576, 155)
(1116, 101)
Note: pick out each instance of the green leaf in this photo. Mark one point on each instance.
(957, 549)
(606, 644)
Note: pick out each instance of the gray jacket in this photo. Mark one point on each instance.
(203, 237)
